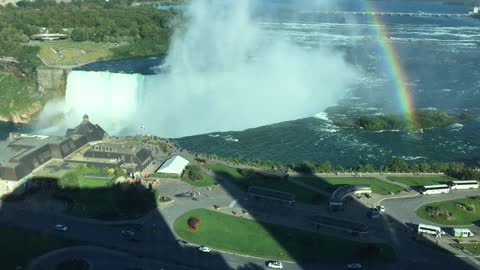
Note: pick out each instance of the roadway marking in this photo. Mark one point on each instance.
(232, 204)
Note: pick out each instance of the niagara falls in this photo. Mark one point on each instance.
(223, 72)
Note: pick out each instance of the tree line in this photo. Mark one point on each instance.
(144, 30)
(396, 165)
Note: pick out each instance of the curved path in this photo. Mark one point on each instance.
(99, 259)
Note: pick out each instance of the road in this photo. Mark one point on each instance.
(163, 245)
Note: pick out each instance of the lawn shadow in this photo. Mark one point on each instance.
(107, 211)
(121, 217)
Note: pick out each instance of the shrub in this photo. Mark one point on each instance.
(470, 207)
(194, 172)
(193, 224)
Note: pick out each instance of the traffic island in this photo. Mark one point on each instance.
(465, 211)
(246, 236)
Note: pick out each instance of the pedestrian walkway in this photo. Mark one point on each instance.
(307, 186)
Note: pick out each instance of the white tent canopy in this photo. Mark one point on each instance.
(175, 165)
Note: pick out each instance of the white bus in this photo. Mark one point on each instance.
(465, 184)
(435, 189)
(429, 229)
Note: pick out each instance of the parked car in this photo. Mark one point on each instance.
(381, 208)
(61, 227)
(354, 266)
(204, 249)
(127, 232)
(374, 213)
(274, 264)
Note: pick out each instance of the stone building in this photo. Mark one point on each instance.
(90, 131)
(20, 154)
(129, 156)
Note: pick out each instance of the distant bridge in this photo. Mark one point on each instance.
(412, 14)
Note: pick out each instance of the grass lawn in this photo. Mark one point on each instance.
(244, 181)
(249, 237)
(68, 52)
(415, 181)
(473, 248)
(206, 181)
(19, 246)
(331, 183)
(461, 217)
(98, 198)
(17, 94)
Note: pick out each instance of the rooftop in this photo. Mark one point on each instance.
(18, 146)
(175, 165)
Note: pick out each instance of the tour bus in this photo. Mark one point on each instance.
(465, 184)
(462, 232)
(429, 229)
(435, 189)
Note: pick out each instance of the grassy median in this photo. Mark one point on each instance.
(331, 183)
(266, 240)
(245, 178)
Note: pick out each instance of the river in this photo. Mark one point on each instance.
(440, 56)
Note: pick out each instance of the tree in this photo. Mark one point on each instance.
(304, 167)
(324, 167)
(398, 165)
(425, 167)
(193, 224)
(194, 172)
(414, 167)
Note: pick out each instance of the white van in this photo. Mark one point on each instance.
(462, 232)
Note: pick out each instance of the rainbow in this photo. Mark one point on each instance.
(394, 67)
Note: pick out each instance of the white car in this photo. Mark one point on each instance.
(274, 264)
(204, 249)
(354, 266)
(381, 208)
(60, 227)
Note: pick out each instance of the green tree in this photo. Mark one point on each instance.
(425, 167)
(194, 172)
(398, 165)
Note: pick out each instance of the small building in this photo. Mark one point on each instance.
(48, 36)
(271, 194)
(174, 165)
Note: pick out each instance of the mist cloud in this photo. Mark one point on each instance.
(224, 73)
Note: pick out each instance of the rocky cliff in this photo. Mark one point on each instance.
(52, 79)
(25, 116)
